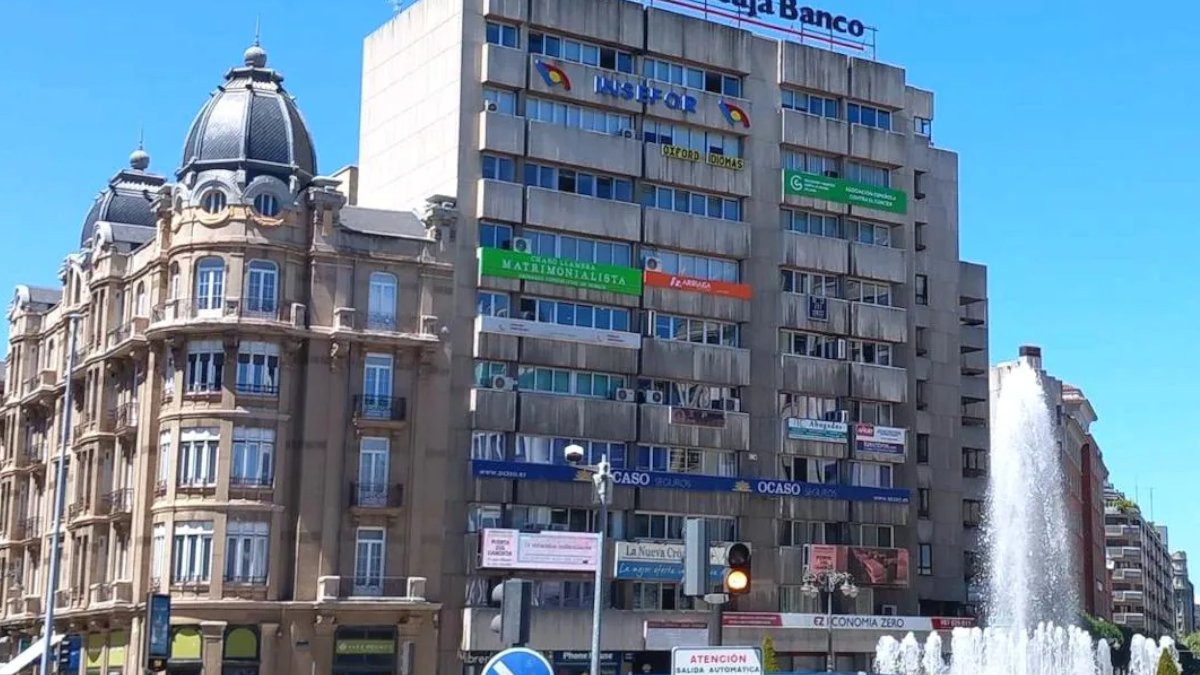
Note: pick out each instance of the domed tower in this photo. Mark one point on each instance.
(124, 210)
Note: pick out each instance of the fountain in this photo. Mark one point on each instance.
(1031, 598)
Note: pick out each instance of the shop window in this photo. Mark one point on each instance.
(364, 650)
(240, 655)
(186, 651)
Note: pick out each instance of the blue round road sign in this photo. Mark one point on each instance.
(518, 661)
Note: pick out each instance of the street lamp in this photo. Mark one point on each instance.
(602, 482)
(816, 581)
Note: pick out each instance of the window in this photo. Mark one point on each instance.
(487, 445)
(262, 283)
(173, 282)
(868, 474)
(922, 448)
(205, 363)
(921, 340)
(141, 306)
(974, 462)
(872, 412)
(158, 551)
(368, 561)
(807, 222)
(693, 138)
(925, 559)
(258, 368)
(565, 313)
(578, 182)
(670, 527)
(499, 168)
(658, 596)
(857, 113)
(576, 117)
(695, 203)
(377, 386)
(488, 303)
(873, 234)
(486, 370)
(572, 382)
(548, 450)
(246, 546)
(253, 456)
(808, 162)
(868, 174)
(869, 292)
(811, 344)
(582, 249)
(690, 394)
(164, 454)
(686, 460)
(809, 283)
(213, 201)
(880, 536)
(691, 77)
(504, 100)
(503, 34)
(381, 301)
(918, 184)
(484, 516)
(580, 52)
(919, 236)
(922, 289)
(552, 518)
(806, 406)
(198, 457)
(702, 331)
(923, 502)
(266, 205)
(874, 353)
(812, 104)
(801, 532)
(694, 266)
(972, 512)
(922, 126)
(192, 553)
(210, 284)
(495, 235)
(922, 394)
(806, 470)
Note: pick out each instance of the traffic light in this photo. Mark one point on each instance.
(515, 597)
(737, 574)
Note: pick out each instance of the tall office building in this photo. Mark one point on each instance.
(1185, 595)
(256, 380)
(726, 262)
(1143, 597)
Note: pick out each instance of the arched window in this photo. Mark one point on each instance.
(381, 302)
(262, 287)
(213, 201)
(210, 284)
(140, 300)
(266, 205)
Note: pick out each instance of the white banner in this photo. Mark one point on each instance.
(553, 551)
(553, 331)
(844, 621)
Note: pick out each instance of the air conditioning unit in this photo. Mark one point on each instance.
(627, 133)
(652, 263)
(652, 397)
(522, 245)
(503, 383)
(624, 395)
(490, 106)
(842, 349)
(831, 174)
(650, 317)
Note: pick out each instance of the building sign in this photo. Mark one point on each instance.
(787, 17)
(573, 658)
(873, 439)
(553, 551)
(800, 429)
(552, 75)
(645, 92)
(499, 262)
(698, 417)
(663, 635)
(916, 624)
(716, 661)
(734, 114)
(713, 158)
(801, 184)
(501, 325)
(818, 308)
(365, 647)
(647, 561)
(664, 480)
(158, 638)
(870, 566)
(724, 289)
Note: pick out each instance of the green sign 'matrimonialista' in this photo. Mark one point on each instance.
(812, 185)
(497, 262)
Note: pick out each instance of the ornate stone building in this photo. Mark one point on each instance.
(257, 402)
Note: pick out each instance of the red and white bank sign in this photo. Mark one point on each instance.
(716, 661)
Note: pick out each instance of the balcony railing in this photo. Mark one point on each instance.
(29, 527)
(78, 509)
(384, 408)
(35, 451)
(266, 309)
(258, 389)
(246, 579)
(119, 334)
(118, 501)
(251, 481)
(376, 495)
(381, 321)
(226, 309)
(372, 586)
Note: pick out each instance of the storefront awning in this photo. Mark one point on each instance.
(28, 657)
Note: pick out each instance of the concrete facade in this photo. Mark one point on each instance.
(1185, 595)
(1143, 597)
(758, 307)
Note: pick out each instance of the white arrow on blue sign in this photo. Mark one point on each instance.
(518, 661)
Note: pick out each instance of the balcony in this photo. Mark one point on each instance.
(972, 339)
(40, 386)
(117, 503)
(576, 416)
(1130, 619)
(379, 410)
(1123, 553)
(694, 362)
(603, 152)
(403, 589)
(122, 339)
(125, 419)
(878, 262)
(697, 233)
(79, 509)
(366, 497)
(27, 529)
(1133, 597)
(811, 131)
(499, 132)
(606, 218)
(975, 414)
(661, 426)
(202, 315)
(503, 65)
(878, 383)
(878, 322)
(111, 593)
(499, 200)
(826, 377)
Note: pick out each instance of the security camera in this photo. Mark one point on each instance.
(573, 454)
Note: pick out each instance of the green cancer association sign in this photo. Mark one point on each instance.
(803, 184)
(497, 262)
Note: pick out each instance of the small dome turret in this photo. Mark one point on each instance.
(127, 200)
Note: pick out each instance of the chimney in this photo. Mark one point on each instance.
(1031, 354)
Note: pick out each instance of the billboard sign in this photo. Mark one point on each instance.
(649, 561)
(868, 565)
(499, 262)
(724, 289)
(800, 429)
(552, 551)
(885, 442)
(502, 325)
(802, 184)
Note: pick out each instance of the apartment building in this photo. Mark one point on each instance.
(246, 378)
(1143, 597)
(728, 263)
(1095, 594)
(1185, 595)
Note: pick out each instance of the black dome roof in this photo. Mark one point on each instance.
(250, 123)
(128, 199)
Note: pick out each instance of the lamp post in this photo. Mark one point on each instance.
(828, 581)
(602, 480)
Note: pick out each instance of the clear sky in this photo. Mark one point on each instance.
(1075, 125)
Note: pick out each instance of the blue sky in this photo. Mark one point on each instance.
(1072, 124)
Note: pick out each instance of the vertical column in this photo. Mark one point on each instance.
(268, 645)
(212, 634)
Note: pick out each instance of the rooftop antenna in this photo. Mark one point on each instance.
(256, 26)
(141, 137)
